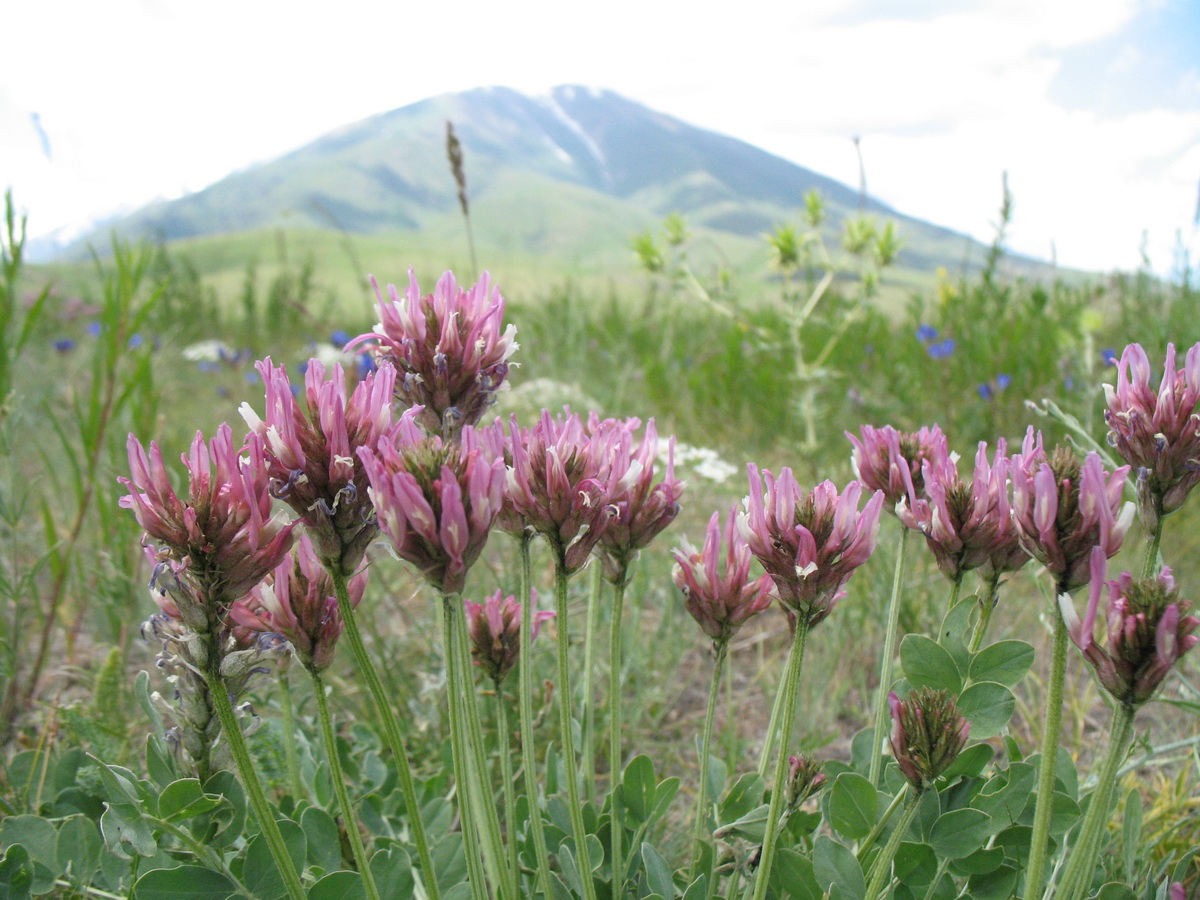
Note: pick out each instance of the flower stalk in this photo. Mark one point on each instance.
(887, 663)
(881, 872)
(703, 801)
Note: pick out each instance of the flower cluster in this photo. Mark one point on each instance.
(312, 453)
(927, 734)
(1063, 509)
(494, 627)
(894, 462)
(1158, 433)
(810, 544)
(435, 500)
(218, 543)
(1148, 630)
(447, 347)
(297, 602)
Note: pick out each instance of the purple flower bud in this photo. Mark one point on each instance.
(494, 627)
(720, 602)
(1148, 631)
(927, 734)
(892, 461)
(809, 544)
(803, 780)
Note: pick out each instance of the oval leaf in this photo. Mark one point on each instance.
(853, 805)
(1005, 662)
(987, 706)
(927, 663)
(183, 883)
(960, 833)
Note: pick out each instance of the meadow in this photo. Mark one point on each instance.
(662, 760)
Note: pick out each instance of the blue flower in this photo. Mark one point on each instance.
(207, 365)
(135, 341)
(941, 349)
(985, 391)
(1003, 381)
(1109, 355)
(94, 329)
(926, 333)
(64, 345)
(339, 338)
(366, 365)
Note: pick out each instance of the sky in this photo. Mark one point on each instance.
(1091, 107)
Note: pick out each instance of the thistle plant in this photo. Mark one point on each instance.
(894, 463)
(810, 544)
(1158, 434)
(721, 596)
(214, 548)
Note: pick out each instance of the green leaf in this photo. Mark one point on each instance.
(927, 663)
(16, 874)
(987, 706)
(998, 884)
(835, 865)
(745, 794)
(126, 832)
(960, 833)
(183, 883)
(953, 631)
(658, 872)
(698, 889)
(1115, 891)
(663, 795)
(1005, 662)
(853, 805)
(260, 874)
(339, 886)
(752, 826)
(1064, 813)
(639, 789)
(914, 863)
(159, 763)
(36, 835)
(79, 846)
(792, 876)
(1131, 833)
(393, 872)
(970, 762)
(324, 842)
(1005, 796)
(185, 798)
(980, 862)
(230, 816)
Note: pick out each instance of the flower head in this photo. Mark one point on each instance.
(968, 525)
(1157, 433)
(1064, 509)
(804, 779)
(297, 602)
(447, 347)
(720, 602)
(435, 500)
(927, 734)
(810, 544)
(221, 540)
(560, 484)
(641, 508)
(1148, 630)
(892, 461)
(312, 453)
(494, 627)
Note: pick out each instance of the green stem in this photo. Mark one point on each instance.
(349, 818)
(703, 802)
(1152, 546)
(887, 663)
(790, 689)
(877, 829)
(730, 726)
(1082, 861)
(764, 759)
(589, 689)
(459, 748)
(254, 791)
(290, 758)
(881, 871)
(955, 589)
(578, 832)
(1045, 786)
(483, 799)
(525, 707)
(506, 776)
(614, 730)
(391, 729)
(987, 603)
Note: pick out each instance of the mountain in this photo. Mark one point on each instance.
(573, 174)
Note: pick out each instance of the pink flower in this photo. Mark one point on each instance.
(297, 601)
(1148, 630)
(560, 484)
(810, 544)
(447, 347)
(222, 540)
(641, 508)
(435, 500)
(312, 453)
(967, 525)
(495, 630)
(893, 461)
(1157, 434)
(720, 602)
(1064, 509)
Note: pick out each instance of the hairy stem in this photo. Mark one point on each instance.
(703, 801)
(887, 662)
(614, 730)
(881, 872)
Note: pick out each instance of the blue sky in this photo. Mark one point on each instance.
(1092, 107)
